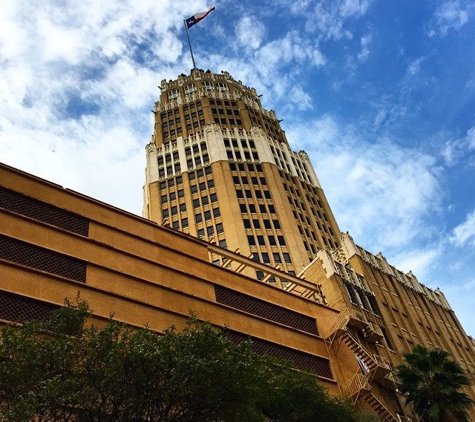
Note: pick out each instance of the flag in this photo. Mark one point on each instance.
(196, 18)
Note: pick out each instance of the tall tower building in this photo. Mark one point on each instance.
(220, 167)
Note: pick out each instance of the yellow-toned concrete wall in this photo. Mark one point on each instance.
(143, 273)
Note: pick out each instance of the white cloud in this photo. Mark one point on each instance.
(250, 32)
(419, 262)
(414, 67)
(364, 52)
(380, 193)
(328, 18)
(450, 15)
(456, 150)
(464, 234)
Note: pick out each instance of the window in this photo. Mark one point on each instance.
(277, 259)
(265, 258)
(267, 224)
(182, 207)
(196, 203)
(222, 243)
(219, 228)
(201, 233)
(272, 241)
(216, 212)
(172, 94)
(252, 208)
(199, 218)
(210, 231)
(207, 215)
(165, 213)
(271, 209)
(276, 224)
(164, 199)
(239, 193)
(287, 259)
(190, 88)
(184, 222)
(247, 223)
(256, 224)
(213, 197)
(174, 210)
(251, 240)
(243, 209)
(260, 240)
(205, 200)
(172, 196)
(194, 189)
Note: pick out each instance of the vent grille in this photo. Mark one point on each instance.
(40, 211)
(32, 256)
(266, 310)
(300, 360)
(16, 308)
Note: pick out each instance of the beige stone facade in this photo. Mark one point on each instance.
(237, 230)
(220, 168)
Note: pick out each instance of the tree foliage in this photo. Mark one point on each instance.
(61, 369)
(432, 382)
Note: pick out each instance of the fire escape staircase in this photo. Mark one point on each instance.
(373, 367)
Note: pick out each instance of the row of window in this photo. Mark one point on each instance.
(261, 240)
(210, 231)
(171, 182)
(227, 103)
(270, 125)
(242, 167)
(237, 156)
(248, 194)
(180, 224)
(169, 171)
(277, 257)
(192, 175)
(202, 186)
(255, 223)
(205, 200)
(251, 208)
(244, 180)
(172, 196)
(234, 143)
(172, 211)
(206, 216)
(167, 159)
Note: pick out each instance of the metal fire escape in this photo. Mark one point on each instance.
(374, 368)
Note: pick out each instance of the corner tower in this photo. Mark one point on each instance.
(219, 167)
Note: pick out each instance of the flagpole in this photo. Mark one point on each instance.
(189, 44)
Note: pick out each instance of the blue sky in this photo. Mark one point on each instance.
(381, 94)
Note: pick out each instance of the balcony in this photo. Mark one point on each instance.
(373, 333)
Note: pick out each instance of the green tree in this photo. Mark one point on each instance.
(432, 381)
(63, 370)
